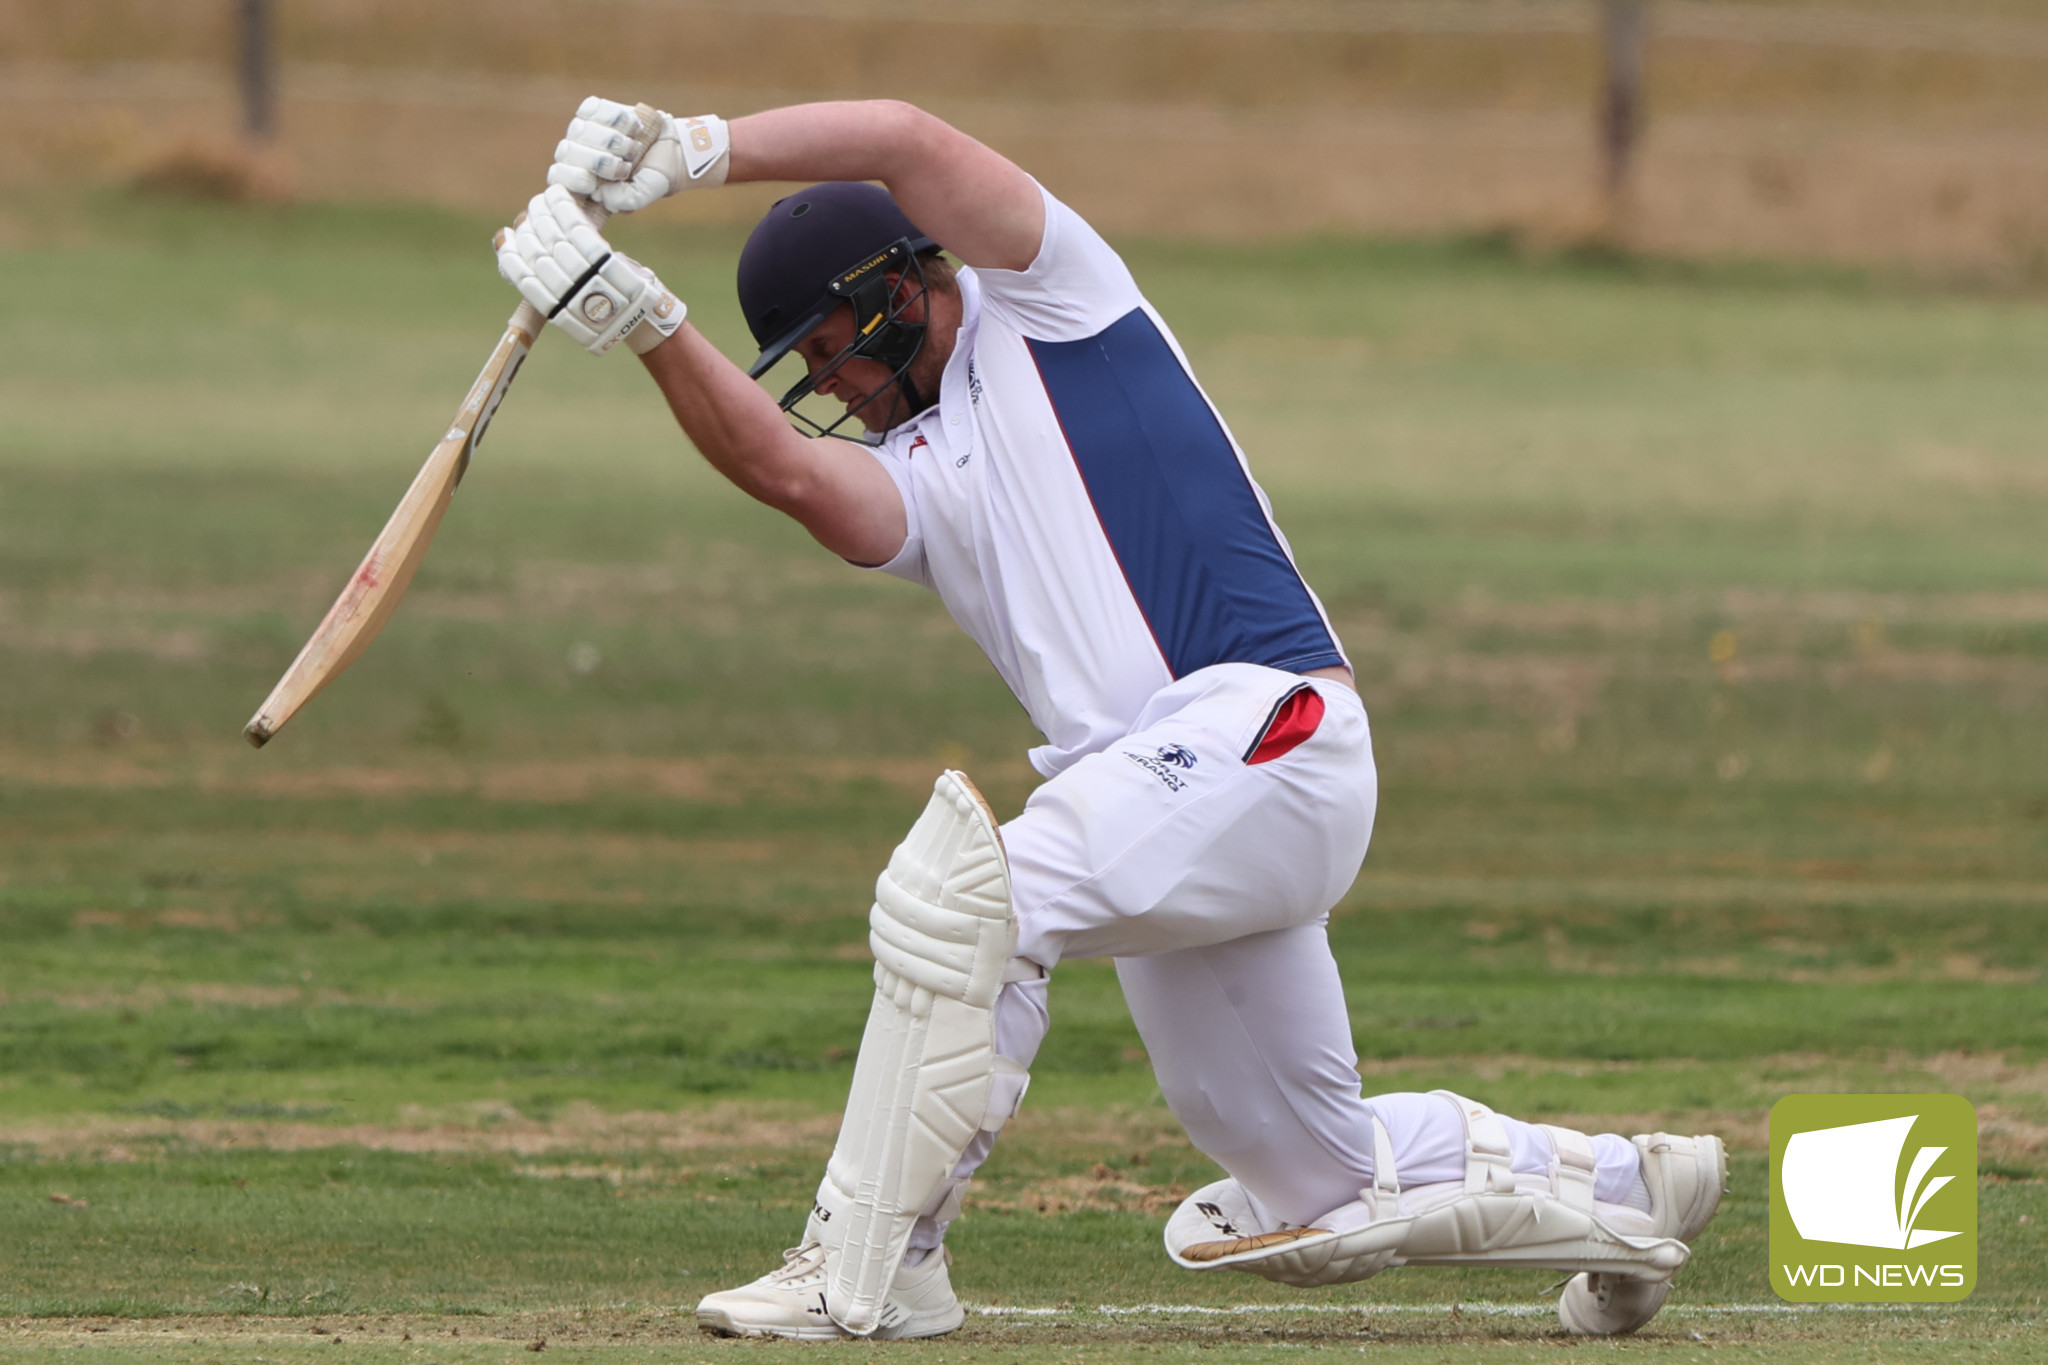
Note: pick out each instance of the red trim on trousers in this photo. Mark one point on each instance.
(1292, 722)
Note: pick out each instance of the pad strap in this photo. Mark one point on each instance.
(1386, 1178)
(944, 1206)
(1489, 1156)
(1005, 1093)
(1572, 1167)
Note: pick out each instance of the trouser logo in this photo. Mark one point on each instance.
(1873, 1198)
(1162, 764)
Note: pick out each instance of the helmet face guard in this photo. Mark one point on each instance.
(881, 333)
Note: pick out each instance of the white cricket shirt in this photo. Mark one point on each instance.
(1080, 507)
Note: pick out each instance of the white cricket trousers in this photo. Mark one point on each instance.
(1203, 852)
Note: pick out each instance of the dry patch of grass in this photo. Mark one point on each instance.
(176, 644)
(483, 1128)
(1390, 890)
(477, 1330)
(2013, 1116)
(151, 997)
(2012, 1112)
(1101, 1190)
(584, 1130)
(220, 921)
(719, 779)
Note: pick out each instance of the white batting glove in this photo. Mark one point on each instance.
(597, 158)
(560, 265)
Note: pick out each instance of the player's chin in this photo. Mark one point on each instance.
(873, 413)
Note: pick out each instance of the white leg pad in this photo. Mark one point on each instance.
(928, 1077)
(1492, 1217)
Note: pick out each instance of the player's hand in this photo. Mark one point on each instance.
(597, 158)
(560, 265)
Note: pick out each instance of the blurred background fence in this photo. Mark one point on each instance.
(1862, 129)
(1866, 130)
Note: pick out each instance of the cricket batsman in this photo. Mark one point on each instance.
(1033, 446)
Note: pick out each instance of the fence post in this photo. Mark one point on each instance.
(258, 66)
(1624, 34)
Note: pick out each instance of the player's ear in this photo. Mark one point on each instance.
(910, 295)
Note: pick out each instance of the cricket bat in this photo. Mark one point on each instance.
(386, 571)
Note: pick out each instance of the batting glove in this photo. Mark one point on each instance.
(597, 159)
(560, 265)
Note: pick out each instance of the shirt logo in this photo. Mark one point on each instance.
(973, 383)
(1163, 762)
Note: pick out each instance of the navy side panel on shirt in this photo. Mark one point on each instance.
(1195, 546)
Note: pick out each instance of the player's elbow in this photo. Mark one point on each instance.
(907, 129)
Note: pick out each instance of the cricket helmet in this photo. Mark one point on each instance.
(822, 248)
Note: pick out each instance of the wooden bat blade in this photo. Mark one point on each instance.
(385, 573)
(373, 592)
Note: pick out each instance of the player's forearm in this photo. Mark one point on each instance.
(839, 494)
(971, 200)
(733, 423)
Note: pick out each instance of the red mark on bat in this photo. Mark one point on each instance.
(367, 577)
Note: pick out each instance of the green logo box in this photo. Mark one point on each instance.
(1873, 1198)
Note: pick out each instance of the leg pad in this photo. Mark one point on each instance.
(928, 1078)
(1492, 1217)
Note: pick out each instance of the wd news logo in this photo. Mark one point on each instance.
(1873, 1198)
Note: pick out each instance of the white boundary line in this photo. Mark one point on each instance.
(1477, 1309)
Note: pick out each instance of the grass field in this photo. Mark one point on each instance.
(508, 996)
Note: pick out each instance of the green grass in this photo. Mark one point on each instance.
(511, 991)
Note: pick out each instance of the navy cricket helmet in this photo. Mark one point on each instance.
(818, 250)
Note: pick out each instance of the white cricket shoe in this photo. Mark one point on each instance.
(790, 1302)
(1686, 1177)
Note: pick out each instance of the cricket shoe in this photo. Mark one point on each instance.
(790, 1302)
(1686, 1177)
